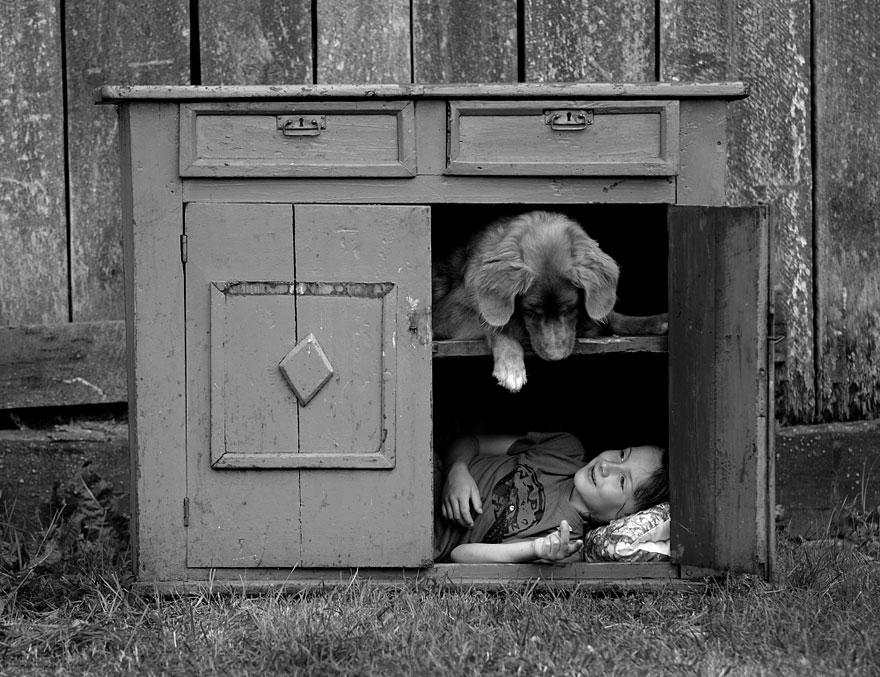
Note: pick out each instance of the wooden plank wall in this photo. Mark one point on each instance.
(767, 43)
(847, 208)
(811, 63)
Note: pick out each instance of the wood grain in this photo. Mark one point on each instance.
(365, 42)
(239, 517)
(378, 518)
(847, 209)
(767, 44)
(464, 41)
(720, 465)
(33, 228)
(583, 346)
(593, 40)
(107, 42)
(62, 364)
(521, 90)
(154, 285)
(252, 42)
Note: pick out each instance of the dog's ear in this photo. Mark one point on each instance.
(595, 272)
(500, 277)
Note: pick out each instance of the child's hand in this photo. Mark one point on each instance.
(460, 493)
(558, 545)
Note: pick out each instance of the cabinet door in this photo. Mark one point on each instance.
(720, 408)
(308, 385)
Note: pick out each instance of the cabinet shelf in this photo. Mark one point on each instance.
(583, 346)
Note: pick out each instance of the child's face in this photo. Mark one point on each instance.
(605, 486)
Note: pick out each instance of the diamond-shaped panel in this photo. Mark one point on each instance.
(306, 369)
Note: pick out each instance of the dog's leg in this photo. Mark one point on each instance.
(510, 366)
(634, 325)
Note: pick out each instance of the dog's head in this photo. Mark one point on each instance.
(545, 264)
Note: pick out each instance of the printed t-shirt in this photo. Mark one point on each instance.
(525, 493)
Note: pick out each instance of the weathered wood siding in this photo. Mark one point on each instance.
(33, 228)
(109, 41)
(847, 208)
(58, 156)
(255, 42)
(767, 44)
(457, 41)
(592, 40)
(363, 42)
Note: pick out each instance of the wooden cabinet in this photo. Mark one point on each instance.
(285, 389)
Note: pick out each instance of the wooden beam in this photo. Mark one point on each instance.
(583, 346)
(62, 364)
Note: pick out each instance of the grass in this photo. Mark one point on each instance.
(67, 607)
(822, 617)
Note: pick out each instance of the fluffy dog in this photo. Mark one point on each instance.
(528, 276)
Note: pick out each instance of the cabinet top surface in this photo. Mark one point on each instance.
(645, 90)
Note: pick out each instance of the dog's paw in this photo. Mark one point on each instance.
(510, 372)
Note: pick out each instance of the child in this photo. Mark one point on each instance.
(505, 496)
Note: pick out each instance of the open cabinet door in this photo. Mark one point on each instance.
(720, 411)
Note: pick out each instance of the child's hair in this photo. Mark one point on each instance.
(656, 488)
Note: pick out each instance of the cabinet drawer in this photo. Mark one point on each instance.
(375, 138)
(563, 138)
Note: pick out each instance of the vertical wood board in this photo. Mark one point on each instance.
(719, 452)
(384, 517)
(363, 42)
(238, 518)
(464, 41)
(591, 40)
(255, 42)
(33, 229)
(847, 208)
(766, 44)
(692, 395)
(110, 42)
(152, 217)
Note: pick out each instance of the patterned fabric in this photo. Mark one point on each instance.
(518, 503)
(525, 493)
(640, 537)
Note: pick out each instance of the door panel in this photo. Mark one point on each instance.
(382, 517)
(721, 472)
(243, 517)
(294, 363)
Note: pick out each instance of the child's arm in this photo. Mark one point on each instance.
(460, 491)
(554, 547)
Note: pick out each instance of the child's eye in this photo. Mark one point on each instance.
(622, 454)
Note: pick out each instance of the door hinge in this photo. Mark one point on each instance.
(183, 247)
(186, 512)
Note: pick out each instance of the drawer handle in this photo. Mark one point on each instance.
(298, 125)
(568, 120)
